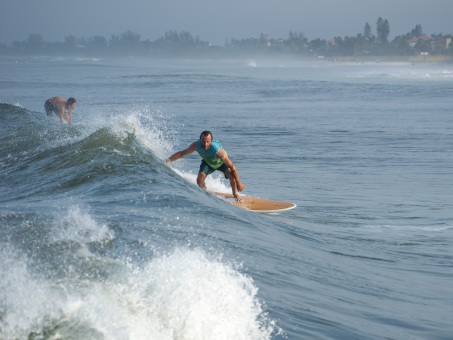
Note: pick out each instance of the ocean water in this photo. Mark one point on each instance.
(100, 239)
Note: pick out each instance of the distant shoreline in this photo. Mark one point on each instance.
(429, 59)
(353, 60)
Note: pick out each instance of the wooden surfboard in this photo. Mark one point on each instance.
(257, 204)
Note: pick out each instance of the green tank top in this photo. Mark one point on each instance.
(209, 155)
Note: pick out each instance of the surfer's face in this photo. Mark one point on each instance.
(206, 142)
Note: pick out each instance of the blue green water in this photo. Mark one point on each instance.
(99, 239)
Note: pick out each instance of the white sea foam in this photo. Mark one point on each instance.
(190, 296)
(181, 295)
(215, 182)
(149, 127)
(252, 63)
(76, 224)
(24, 300)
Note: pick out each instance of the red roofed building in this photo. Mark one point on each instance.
(414, 40)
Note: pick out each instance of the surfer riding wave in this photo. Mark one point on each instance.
(214, 157)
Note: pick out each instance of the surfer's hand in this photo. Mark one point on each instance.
(238, 198)
(240, 186)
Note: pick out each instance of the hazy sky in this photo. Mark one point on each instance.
(217, 20)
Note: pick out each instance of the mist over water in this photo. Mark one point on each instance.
(100, 239)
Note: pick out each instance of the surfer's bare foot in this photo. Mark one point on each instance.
(238, 198)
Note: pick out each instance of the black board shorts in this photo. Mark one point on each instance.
(49, 107)
(204, 167)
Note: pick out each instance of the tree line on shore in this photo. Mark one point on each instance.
(184, 44)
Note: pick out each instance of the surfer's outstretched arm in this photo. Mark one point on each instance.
(182, 153)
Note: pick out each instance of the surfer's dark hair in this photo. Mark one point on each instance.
(71, 101)
(205, 134)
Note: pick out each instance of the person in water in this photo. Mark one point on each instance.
(214, 157)
(61, 107)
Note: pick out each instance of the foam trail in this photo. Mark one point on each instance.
(213, 182)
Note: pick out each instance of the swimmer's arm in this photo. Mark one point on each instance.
(62, 115)
(69, 117)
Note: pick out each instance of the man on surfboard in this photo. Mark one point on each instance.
(214, 158)
(61, 107)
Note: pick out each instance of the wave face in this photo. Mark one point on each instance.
(89, 249)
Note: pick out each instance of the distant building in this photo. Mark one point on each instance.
(437, 44)
(441, 43)
(414, 40)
